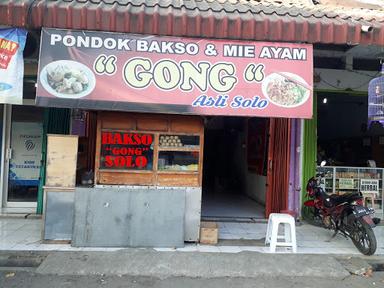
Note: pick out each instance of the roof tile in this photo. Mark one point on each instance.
(285, 20)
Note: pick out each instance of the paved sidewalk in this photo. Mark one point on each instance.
(150, 263)
(21, 236)
(24, 235)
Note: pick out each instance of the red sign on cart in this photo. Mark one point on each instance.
(126, 150)
(112, 71)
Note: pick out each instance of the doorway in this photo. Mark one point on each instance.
(23, 156)
(234, 174)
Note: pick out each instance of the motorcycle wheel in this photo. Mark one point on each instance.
(363, 237)
(312, 216)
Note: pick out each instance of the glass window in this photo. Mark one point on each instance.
(178, 161)
(371, 182)
(126, 150)
(26, 146)
(179, 141)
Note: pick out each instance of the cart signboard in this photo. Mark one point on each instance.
(369, 185)
(121, 150)
(163, 74)
(346, 183)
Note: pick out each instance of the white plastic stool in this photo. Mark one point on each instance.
(371, 197)
(274, 220)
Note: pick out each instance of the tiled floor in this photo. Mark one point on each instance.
(25, 234)
(231, 206)
(247, 231)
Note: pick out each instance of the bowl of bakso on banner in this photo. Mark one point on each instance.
(285, 89)
(67, 79)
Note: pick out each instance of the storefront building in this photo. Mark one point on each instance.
(23, 125)
(352, 145)
(160, 96)
(21, 128)
(165, 149)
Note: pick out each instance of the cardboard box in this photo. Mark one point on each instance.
(209, 233)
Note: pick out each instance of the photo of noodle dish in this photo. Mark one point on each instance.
(67, 79)
(285, 89)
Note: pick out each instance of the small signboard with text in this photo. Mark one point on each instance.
(162, 74)
(369, 185)
(346, 183)
(126, 151)
(26, 143)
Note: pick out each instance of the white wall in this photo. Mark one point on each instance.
(254, 184)
(255, 187)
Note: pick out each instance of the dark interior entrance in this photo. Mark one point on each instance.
(234, 178)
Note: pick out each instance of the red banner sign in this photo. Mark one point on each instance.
(126, 151)
(111, 71)
(8, 48)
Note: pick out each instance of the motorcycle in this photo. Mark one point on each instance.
(343, 214)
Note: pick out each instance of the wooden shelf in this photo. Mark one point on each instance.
(157, 125)
(180, 149)
(126, 171)
(177, 172)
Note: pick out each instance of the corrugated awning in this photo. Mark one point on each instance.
(267, 20)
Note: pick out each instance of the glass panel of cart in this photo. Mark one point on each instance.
(368, 181)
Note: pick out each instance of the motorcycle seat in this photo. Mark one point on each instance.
(348, 197)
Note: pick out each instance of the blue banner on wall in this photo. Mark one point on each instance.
(12, 42)
(26, 143)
